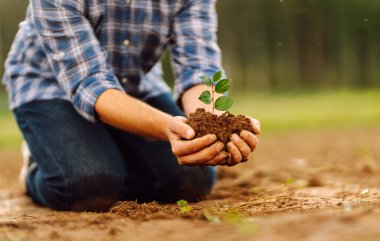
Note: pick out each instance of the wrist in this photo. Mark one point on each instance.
(165, 127)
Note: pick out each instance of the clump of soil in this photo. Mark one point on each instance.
(140, 211)
(222, 126)
(152, 210)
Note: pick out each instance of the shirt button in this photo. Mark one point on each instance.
(126, 42)
(124, 80)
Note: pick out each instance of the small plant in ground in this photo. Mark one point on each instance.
(184, 205)
(244, 224)
(218, 85)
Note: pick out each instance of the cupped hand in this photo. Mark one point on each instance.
(203, 151)
(241, 146)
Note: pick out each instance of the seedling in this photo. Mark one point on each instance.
(184, 205)
(218, 85)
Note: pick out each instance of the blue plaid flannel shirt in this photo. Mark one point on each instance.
(77, 49)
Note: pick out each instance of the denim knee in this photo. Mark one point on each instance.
(97, 192)
(202, 184)
(193, 185)
(89, 192)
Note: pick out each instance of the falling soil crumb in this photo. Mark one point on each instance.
(222, 126)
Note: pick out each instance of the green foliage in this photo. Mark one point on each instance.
(217, 85)
(281, 45)
(206, 80)
(222, 86)
(242, 223)
(205, 97)
(212, 218)
(232, 216)
(223, 103)
(184, 205)
(217, 76)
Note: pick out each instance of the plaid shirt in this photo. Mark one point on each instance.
(76, 49)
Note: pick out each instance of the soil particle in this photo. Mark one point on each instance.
(222, 126)
(54, 235)
(315, 182)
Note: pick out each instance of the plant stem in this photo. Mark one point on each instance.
(212, 98)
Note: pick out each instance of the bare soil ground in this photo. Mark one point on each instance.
(319, 185)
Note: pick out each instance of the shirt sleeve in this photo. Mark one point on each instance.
(195, 50)
(73, 52)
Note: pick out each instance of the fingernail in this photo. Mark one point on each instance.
(189, 133)
(229, 144)
(234, 137)
(213, 138)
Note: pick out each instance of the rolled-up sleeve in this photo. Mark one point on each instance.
(195, 50)
(73, 52)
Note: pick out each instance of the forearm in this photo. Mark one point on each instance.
(190, 101)
(119, 110)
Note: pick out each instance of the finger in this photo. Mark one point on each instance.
(228, 161)
(250, 139)
(256, 125)
(235, 153)
(183, 148)
(202, 156)
(243, 147)
(218, 159)
(180, 128)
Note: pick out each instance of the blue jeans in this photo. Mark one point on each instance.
(82, 166)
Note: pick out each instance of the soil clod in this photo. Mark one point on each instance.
(223, 126)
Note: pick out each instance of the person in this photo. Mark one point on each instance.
(85, 85)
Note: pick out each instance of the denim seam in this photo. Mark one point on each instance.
(53, 156)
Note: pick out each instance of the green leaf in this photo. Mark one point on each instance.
(206, 80)
(182, 203)
(222, 86)
(223, 103)
(205, 97)
(217, 76)
(211, 218)
(185, 207)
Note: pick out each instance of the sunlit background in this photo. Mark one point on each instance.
(296, 64)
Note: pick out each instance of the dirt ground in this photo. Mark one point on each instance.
(315, 185)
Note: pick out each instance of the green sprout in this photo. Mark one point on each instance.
(184, 205)
(218, 85)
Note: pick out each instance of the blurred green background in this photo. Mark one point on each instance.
(295, 64)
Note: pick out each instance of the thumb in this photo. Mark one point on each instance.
(180, 128)
(256, 125)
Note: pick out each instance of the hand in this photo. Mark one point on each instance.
(241, 146)
(203, 151)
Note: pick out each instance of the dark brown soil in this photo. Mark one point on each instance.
(223, 126)
(140, 211)
(153, 210)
